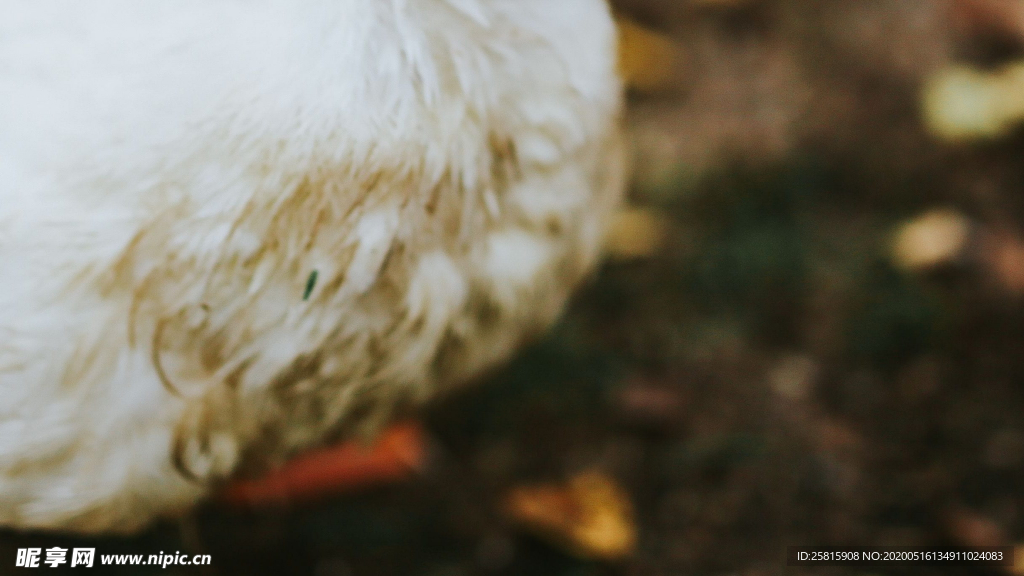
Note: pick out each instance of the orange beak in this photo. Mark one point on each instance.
(333, 470)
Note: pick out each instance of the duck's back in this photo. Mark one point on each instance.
(228, 228)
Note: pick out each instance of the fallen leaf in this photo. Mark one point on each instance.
(963, 103)
(591, 516)
(649, 402)
(636, 233)
(647, 60)
(934, 238)
(1003, 255)
(793, 377)
(987, 17)
(1018, 560)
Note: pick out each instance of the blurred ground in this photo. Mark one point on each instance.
(827, 348)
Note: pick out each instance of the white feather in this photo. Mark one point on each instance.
(171, 171)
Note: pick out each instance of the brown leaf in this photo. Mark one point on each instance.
(1003, 255)
(647, 401)
(793, 376)
(988, 17)
(1018, 561)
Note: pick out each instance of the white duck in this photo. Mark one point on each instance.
(229, 229)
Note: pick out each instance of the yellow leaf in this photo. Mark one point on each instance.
(962, 103)
(590, 516)
(636, 233)
(937, 237)
(647, 59)
(1018, 561)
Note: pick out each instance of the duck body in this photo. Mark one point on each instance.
(229, 230)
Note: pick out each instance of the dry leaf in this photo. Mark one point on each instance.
(962, 103)
(650, 402)
(1018, 561)
(1003, 254)
(636, 233)
(647, 59)
(937, 237)
(591, 516)
(793, 377)
(988, 17)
